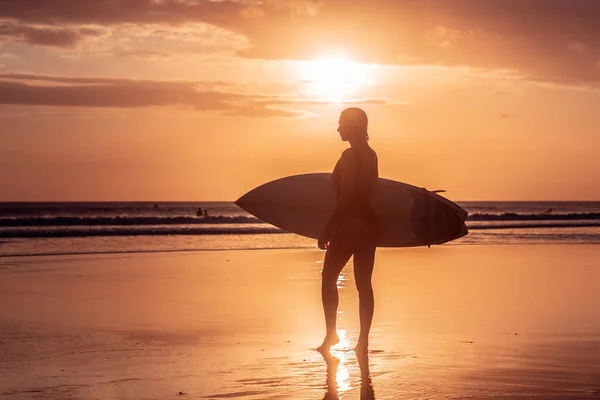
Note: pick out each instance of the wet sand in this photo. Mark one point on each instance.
(477, 322)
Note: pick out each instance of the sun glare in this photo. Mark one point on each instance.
(334, 78)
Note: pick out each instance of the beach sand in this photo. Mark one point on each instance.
(451, 322)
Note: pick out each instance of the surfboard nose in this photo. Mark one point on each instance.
(248, 198)
(238, 202)
(243, 201)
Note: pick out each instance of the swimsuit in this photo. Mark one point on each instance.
(358, 225)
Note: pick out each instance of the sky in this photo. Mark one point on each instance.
(192, 100)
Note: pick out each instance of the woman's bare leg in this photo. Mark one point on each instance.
(364, 260)
(336, 258)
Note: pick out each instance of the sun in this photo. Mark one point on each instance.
(335, 78)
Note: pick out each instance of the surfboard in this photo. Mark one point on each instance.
(407, 215)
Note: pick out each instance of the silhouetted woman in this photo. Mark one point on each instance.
(352, 229)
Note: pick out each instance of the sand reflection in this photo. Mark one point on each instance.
(366, 386)
(341, 281)
(338, 375)
(332, 370)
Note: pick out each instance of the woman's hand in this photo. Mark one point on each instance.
(323, 243)
(325, 237)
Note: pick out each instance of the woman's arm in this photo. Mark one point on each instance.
(348, 170)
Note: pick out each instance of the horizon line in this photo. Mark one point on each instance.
(233, 201)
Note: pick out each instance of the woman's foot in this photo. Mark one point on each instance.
(330, 340)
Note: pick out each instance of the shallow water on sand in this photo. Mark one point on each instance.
(479, 322)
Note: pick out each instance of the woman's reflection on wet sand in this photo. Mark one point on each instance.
(332, 366)
(366, 387)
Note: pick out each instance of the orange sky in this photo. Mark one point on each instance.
(200, 100)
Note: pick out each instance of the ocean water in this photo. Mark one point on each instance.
(111, 227)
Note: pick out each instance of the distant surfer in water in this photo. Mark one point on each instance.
(351, 230)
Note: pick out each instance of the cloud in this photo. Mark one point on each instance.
(64, 23)
(16, 112)
(111, 12)
(36, 90)
(541, 39)
(107, 81)
(145, 55)
(442, 37)
(554, 40)
(259, 111)
(155, 41)
(8, 56)
(284, 101)
(45, 35)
